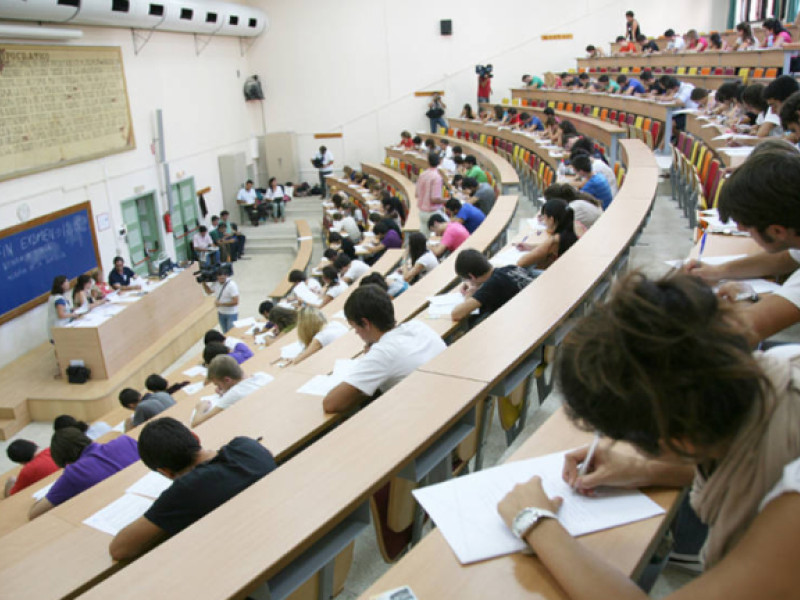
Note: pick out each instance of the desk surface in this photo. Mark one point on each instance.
(770, 57)
(501, 169)
(628, 104)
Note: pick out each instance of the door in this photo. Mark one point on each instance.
(144, 237)
(185, 217)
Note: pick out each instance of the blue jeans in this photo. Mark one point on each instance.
(436, 123)
(278, 210)
(226, 321)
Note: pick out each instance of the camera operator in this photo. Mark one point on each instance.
(484, 83)
(226, 294)
(436, 108)
(323, 161)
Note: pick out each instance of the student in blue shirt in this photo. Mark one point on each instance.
(534, 123)
(630, 86)
(470, 216)
(596, 185)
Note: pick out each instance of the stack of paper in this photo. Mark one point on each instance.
(442, 306)
(193, 388)
(322, 384)
(119, 514)
(465, 509)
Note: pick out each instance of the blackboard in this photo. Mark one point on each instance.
(34, 253)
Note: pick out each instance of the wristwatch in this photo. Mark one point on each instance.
(527, 519)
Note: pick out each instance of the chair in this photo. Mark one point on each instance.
(504, 101)
(720, 71)
(612, 115)
(638, 121)
(604, 114)
(771, 73)
(630, 119)
(705, 71)
(680, 71)
(568, 107)
(743, 74)
(621, 118)
(515, 101)
(587, 110)
(758, 73)
(595, 111)
(624, 70)
(582, 70)
(717, 192)
(560, 106)
(636, 70)
(692, 71)
(712, 181)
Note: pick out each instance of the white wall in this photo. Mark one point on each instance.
(353, 66)
(204, 115)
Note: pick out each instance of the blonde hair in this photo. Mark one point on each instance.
(223, 366)
(309, 323)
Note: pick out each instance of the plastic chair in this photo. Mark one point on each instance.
(604, 114)
(771, 73)
(705, 71)
(680, 71)
(504, 101)
(624, 70)
(758, 73)
(692, 71)
(743, 74)
(515, 101)
(595, 111)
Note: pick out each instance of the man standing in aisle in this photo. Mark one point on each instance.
(429, 192)
(323, 160)
(226, 297)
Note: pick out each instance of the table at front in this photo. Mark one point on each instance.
(109, 346)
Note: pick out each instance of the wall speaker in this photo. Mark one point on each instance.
(446, 27)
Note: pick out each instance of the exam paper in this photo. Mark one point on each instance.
(119, 514)
(293, 350)
(193, 388)
(150, 486)
(119, 427)
(231, 342)
(443, 305)
(506, 257)
(465, 509)
(304, 293)
(709, 260)
(196, 370)
(245, 322)
(320, 385)
(39, 494)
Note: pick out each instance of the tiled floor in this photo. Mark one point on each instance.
(666, 237)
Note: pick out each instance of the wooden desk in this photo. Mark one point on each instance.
(404, 188)
(770, 57)
(728, 35)
(109, 347)
(432, 570)
(305, 246)
(705, 134)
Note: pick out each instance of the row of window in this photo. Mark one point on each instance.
(157, 10)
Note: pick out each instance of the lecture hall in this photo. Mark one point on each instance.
(399, 300)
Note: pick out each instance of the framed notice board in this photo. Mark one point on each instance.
(32, 254)
(61, 105)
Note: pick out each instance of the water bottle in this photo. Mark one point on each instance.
(562, 170)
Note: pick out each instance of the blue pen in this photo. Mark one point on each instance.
(702, 246)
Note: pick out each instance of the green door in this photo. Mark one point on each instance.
(185, 218)
(144, 237)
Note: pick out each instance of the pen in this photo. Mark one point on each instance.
(589, 456)
(702, 246)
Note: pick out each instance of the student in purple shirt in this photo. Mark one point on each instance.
(85, 463)
(240, 352)
(387, 238)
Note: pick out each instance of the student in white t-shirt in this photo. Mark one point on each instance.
(350, 270)
(226, 298)
(315, 332)
(226, 374)
(393, 351)
(419, 260)
(333, 285)
(349, 223)
(308, 291)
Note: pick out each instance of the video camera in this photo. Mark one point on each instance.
(484, 70)
(208, 274)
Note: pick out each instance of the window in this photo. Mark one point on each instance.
(156, 10)
(252, 23)
(120, 5)
(758, 10)
(233, 20)
(187, 14)
(211, 17)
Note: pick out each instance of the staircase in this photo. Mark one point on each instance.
(274, 238)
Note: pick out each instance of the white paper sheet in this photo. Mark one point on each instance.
(465, 509)
(339, 315)
(119, 427)
(442, 306)
(119, 514)
(150, 486)
(39, 494)
(709, 260)
(261, 340)
(193, 388)
(293, 350)
(507, 256)
(231, 342)
(261, 378)
(246, 322)
(195, 371)
(740, 151)
(322, 384)
(304, 293)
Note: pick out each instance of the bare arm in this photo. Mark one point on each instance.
(313, 347)
(203, 412)
(39, 508)
(535, 256)
(136, 539)
(341, 398)
(768, 316)
(409, 274)
(757, 265)
(464, 309)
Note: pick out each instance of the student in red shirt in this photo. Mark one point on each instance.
(484, 87)
(626, 46)
(37, 466)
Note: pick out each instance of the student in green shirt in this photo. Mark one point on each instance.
(533, 81)
(604, 84)
(474, 171)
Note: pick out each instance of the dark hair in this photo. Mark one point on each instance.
(330, 253)
(334, 237)
(629, 13)
(646, 75)
(63, 421)
(469, 183)
(468, 112)
(559, 210)
(82, 280)
(21, 451)
(561, 190)
(584, 144)
(128, 397)
(773, 25)
(224, 213)
(296, 276)
(417, 140)
(470, 159)
(166, 443)
(753, 95)
(472, 262)
(669, 33)
(453, 204)
(417, 246)
(620, 38)
(380, 228)
(668, 82)
(641, 38)
(764, 191)
(658, 363)
(156, 383)
(590, 48)
(567, 127)
(214, 218)
(283, 318)
(435, 218)
(715, 40)
(118, 258)
(265, 307)
(730, 90)
(583, 163)
(331, 274)
(548, 110)
(698, 93)
(202, 229)
(58, 285)
(213, 349)
(374, 278)
(746, 31)
(67, 444)
(370, 303)
(429, 143)
(789, 110)
(781, 88)
(341, 262)
(393, 203)
(212, 335)
(621, 79)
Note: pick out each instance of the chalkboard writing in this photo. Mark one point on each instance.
(33, 254)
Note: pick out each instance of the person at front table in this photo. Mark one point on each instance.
(121, 276)
(763, 198)
(392, 351)
(85, 464)
(202, 480)
(231, 385)
(59, 306)
(559, 219)
(665, 368)
(227, 298)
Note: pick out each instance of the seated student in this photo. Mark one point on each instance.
(636, 371)
(593, 52)
(93, 431)
(473, 170)
(598, 165)
(452, 234)
(466, 214)
(625, 46)
(532, 81)
(585, 81)
(790, 116)
(700, 97)
(349, 223)
(224, 240)
(767, 123)
(695, 42)
(645, 46)
(481, 195)
(121, 276)
(393, 209)
(36, 465)
(231, 386)
(560, 222)
(100, 289)
(263, 309)
(394, 286)
(716, 42)
(156, 383)
(763, 197)
(144, 407)
(746, 39)
(777, 34)
(315, 332)
(777, 92)
(419, 259)
(393, 351)
(586, 208)
(630, 86)
(533, 123)
(304, 289)
(282, 320)
(565, 129)
(605, 84)
(233, 232)
(202, 480)
(342, 244)
(390, 222)
(467, 112)
(596, 184)
(387, 238)
(405, 140)
(350, 270)
(240, 352)
(651, 83)
(486, 288)
(82, 298)
(675, 43)
(333, 285)
(204, 246)
(85, 463)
